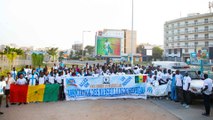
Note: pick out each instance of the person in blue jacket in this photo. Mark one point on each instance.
(173, 90)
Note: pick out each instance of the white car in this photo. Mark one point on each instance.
(196, 84)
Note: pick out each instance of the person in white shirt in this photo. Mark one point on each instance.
(2, 88)
(8, 80)
(21, 80)
(60, 81)
(55, 67)
(136, 70)
(179, 84)
(207, 91)
(14, 73)
(186, 93)
(41, 79)
(120, 72)
(164, 77)
(51, 79)
(27, 70)
(32, 78)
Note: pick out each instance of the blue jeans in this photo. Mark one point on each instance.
(173, 95)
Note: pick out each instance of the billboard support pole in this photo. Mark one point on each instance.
(83, 43)
(132, 37)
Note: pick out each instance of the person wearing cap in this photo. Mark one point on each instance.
(186, 93)
(8, 80)
(207, 91)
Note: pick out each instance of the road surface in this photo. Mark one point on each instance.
(119, 109)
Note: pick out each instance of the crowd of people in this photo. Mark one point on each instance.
(180, 84)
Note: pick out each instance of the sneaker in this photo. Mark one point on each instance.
(187, 106)
(1, 113)
(204, 114)
(7, 106)
(184, 105)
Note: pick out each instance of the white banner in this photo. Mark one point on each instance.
(105, 87)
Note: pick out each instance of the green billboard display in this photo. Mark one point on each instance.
(108, 46)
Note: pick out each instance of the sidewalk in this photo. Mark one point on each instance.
(192, 113)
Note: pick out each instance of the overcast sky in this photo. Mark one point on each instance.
(59, 23)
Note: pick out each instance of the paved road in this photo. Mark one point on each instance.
(193, 113)
(120, 109)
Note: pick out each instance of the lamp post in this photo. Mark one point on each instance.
(83, 41)
(132, 35)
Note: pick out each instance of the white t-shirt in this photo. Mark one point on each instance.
(32, 79)
(55, 67)
(2, 85)
(10, 81)
(186, 81)
(41, 80)
(51, 79)
(178, 79)
(59, 79)
(22, 81)
(164, 76)
(208, 82)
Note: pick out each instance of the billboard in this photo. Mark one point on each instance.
(108, 46)
(200, 54)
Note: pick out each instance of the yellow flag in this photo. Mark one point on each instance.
(35, 93)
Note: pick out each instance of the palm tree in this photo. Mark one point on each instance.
(52, 52)
(12, 53)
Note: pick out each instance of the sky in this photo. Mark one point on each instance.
(59, 23)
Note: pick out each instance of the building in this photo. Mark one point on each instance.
(186, 35)
(77, 46)
(125, 36)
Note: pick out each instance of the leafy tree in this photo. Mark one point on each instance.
(52, 52)
(79, 53)
(157, 53)
(89, 49)
(37, 59)
(71, 54)
(12, 53)
(140, 48)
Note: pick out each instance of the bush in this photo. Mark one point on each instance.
(91, 58)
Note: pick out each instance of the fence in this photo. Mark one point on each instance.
(4, 63)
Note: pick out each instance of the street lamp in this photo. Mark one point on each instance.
(83, 41)
(132, 36)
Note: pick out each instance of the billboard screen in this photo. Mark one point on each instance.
(108, 46)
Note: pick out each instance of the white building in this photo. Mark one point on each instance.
(185, 35)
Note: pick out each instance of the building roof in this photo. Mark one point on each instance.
(190, 16)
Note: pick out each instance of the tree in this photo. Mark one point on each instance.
(157, 53)
(61, 55)
(52, 52)
(89, 49)
(79, 53)
(37, 59)
(12, 53)
(71, 54)
(140, 49)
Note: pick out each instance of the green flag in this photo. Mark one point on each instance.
(51, 92)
